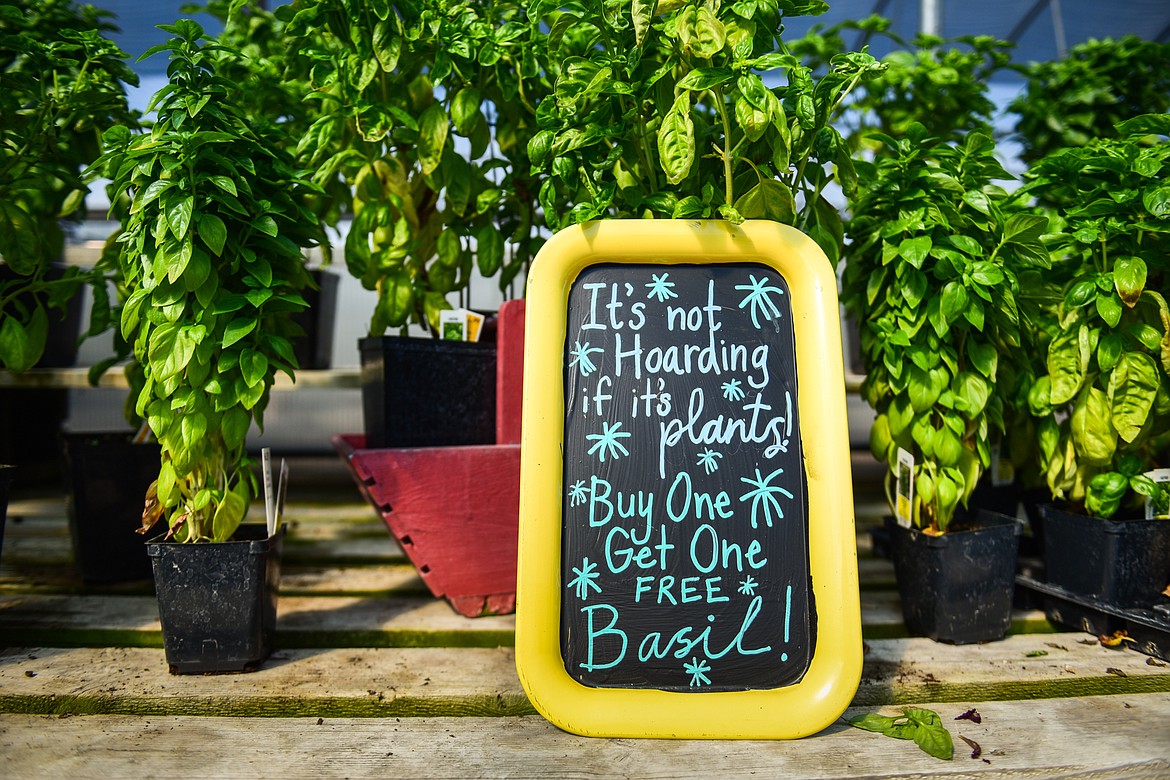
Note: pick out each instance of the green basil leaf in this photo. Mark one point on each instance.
(234, 426)
(915, 251)
(230, 512)
(253, 367)
(987, 274)
(676, 140)
(1110, 309)
(237, 329)
(935, 740)
(1064, 368)
(1024, 228)
(489, 250)
(642, 12)
(1104, 492)
(465, 110)
(769, 199)
(954, 299)
(1080, 293)
(701, 79)
(1129, 276)
(984, 357)
(1133, 386)
(19, 239)
(213, 232)
(1093, 434)
(1109, 350)
(914, 286)
(449, 248)
(179, 216)
(1157, 201)
(432, 137)
(872, 722)
(20, 346)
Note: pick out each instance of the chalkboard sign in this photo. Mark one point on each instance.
(686, 529)
(684, 554)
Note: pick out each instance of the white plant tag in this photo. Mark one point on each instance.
(266, 475)
(453, 325)
(1161, 476)
(904, 490)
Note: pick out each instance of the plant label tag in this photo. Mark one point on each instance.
(904, 490)
(266, 475)
(281, 494)
(474, 324)
(453, 325)
(1162, 477)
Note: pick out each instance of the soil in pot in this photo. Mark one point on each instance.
(957, 588)
(428, 392)
(107, 479)
(1125, 562)
(217, 601)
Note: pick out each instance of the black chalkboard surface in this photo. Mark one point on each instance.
(684, 550)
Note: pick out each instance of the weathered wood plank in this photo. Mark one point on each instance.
(70, 621)
(377, 581)
(346, 620)
(426, 681)
(1106, 738)
(349, 621)
(360, 682)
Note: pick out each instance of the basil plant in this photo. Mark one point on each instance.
(62, 82)
(423, 111)
(691, 109)
(940, 83)
(210, 253)
(931, 275)
(1102, 394)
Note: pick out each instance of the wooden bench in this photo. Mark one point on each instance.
(373, 677)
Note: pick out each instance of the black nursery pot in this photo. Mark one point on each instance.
(957, 588)
(1123, 562)
(314, 350)
(428, 392)
(217, 601)
(108, 476)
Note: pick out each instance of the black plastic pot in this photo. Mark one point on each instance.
(957, 588)
(107, 479)
(1123, 562)
(428, 392)
(314, 350)
(217, 601)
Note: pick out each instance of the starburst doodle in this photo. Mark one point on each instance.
(660, 288)
(584, 580)
(733, 390)
(764, 496)
(698, 671)
(759, 299)
(578, 493)
(748, 587)
(608, 441)
(708, 459)
(581, 359)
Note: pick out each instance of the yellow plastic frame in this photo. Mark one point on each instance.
(835, 668)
